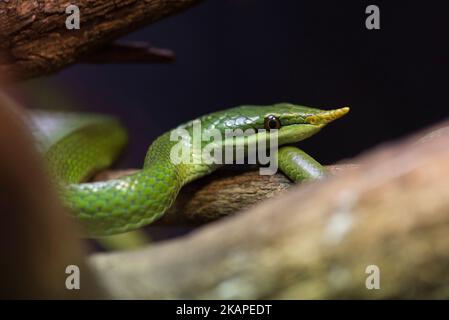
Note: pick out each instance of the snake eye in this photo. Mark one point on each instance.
(272, 122)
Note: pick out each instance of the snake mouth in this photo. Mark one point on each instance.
(327, 116)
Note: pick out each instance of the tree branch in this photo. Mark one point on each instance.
(207, 199)
(34, 39)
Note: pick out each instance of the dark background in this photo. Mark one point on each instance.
(316, 53)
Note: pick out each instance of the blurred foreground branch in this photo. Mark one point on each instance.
(315, 241)
(37, 240)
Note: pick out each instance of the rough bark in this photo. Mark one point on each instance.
(316, 240)
(34, 39)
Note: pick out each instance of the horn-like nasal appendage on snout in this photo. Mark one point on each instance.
(325, 117)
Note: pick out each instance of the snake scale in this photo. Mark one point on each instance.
(76, 145)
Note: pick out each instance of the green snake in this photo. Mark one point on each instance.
(75, 146)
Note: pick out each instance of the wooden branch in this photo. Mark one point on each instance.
(34, 39)
(37, 239)
(207, 199)
(314, 241)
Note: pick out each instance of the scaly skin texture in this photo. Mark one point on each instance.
(76, 146)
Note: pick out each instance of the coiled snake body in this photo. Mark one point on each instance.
(75, 146)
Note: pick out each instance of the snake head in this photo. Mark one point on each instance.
(293, 122)
(297, 122)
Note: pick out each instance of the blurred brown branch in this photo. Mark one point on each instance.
(34, 39)
(37, 240)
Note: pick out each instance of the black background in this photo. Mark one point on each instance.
(316, 53)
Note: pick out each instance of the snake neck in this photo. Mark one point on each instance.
(160, 152)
